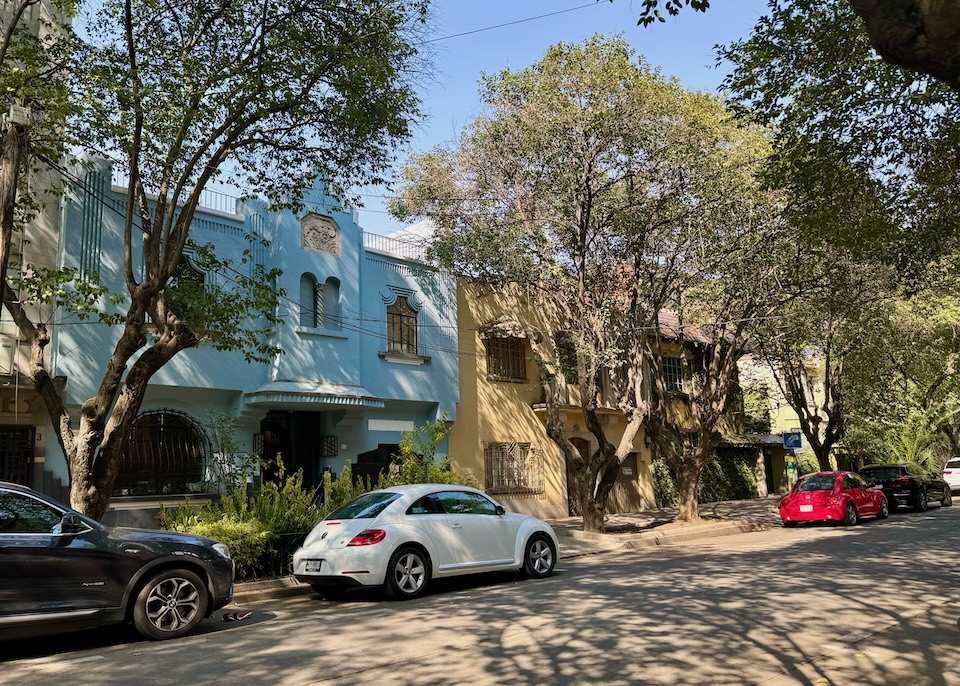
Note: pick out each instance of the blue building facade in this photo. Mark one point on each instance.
(368, 336)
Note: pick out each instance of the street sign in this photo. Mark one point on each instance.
(791, 439)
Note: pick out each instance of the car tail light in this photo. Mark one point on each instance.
(904, 480)
(368, 537)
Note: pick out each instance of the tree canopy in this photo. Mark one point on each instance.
(922, 35)
(264, 98)
(612, 194)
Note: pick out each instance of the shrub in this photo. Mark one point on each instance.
(728, 476)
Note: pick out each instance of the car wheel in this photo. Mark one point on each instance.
(884, 510)
(540, 557)
(947, 499)
(790, 525)
(922, 504)
(170, 604)
(850, 515)
(407, 574)
(330, 592)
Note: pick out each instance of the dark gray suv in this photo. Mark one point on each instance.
(908, 484)
(61, 571)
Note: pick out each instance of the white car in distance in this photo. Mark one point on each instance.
(402, 537)
(951, 473)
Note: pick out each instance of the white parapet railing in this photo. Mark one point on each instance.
(408, 249)
(209, 199)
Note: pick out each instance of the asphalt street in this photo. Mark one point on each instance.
(872, 604)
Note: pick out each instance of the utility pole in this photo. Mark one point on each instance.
(15, 125)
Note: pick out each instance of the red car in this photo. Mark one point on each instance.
(832, 497)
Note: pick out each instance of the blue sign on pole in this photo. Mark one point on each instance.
(791, 439)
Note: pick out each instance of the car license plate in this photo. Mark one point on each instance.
(312, 566)
(803, 508)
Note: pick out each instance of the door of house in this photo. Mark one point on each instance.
(768, 471)
(371, 464)
(16, 453)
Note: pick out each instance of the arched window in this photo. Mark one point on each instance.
(166, 453)
(401, 327)
(330, 313)
(310, 298)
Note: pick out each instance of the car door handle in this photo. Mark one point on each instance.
(456, 525)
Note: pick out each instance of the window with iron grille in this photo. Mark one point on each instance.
(506, 360)
(166, 453)
(672, 373)
(401, 327)
(515, 468)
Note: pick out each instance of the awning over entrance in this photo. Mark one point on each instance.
(300, 393)
(505, 327)
(753, 441)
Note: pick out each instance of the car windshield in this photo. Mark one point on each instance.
(891, 472)
(953, 464)
(367, 506)
(817, 482)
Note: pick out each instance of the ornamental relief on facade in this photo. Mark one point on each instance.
(320, 234)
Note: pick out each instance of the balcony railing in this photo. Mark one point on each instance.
(209, 199)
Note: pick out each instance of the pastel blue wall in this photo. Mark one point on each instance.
(333, 386)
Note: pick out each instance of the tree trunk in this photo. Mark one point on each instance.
(688, 479)
(923, 35)
(13, 143)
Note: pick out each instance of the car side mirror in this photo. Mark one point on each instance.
(71, 524)
(500, 510)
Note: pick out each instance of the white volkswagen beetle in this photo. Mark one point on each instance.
(402, 537)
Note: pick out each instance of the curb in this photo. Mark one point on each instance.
(266, 589)
(287, 586)
(647, 539)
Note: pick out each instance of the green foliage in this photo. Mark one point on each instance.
(611, 194)
(729, 475)
(651, 9)
(247, 540)
(232, 306)
(664, 484)
(416, 462)
(867, 149)
(342, 490)
(807, 463)
(231, 467)
(756, 410)
(275, 518)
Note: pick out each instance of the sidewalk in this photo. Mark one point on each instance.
(624, 532)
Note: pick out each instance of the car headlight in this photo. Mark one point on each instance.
(222, 549)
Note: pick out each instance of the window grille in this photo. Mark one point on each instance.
(166, 453)
(506, 360)
(672, 373)
(401, 327)
(514, 468)
(318, 304)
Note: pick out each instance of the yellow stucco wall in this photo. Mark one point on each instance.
(492, 411)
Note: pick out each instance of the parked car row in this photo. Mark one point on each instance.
(61, 571)
(874, 491)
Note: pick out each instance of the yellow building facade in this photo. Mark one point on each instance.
(500, 437)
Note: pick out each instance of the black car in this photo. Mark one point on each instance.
(61, 571)
(908, 483)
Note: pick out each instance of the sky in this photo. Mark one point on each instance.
(682, 47)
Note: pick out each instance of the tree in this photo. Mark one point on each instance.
(906, 398)
(268, 97)
(815, 340)
(868, 151)
(922, 35)
(591, 184)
